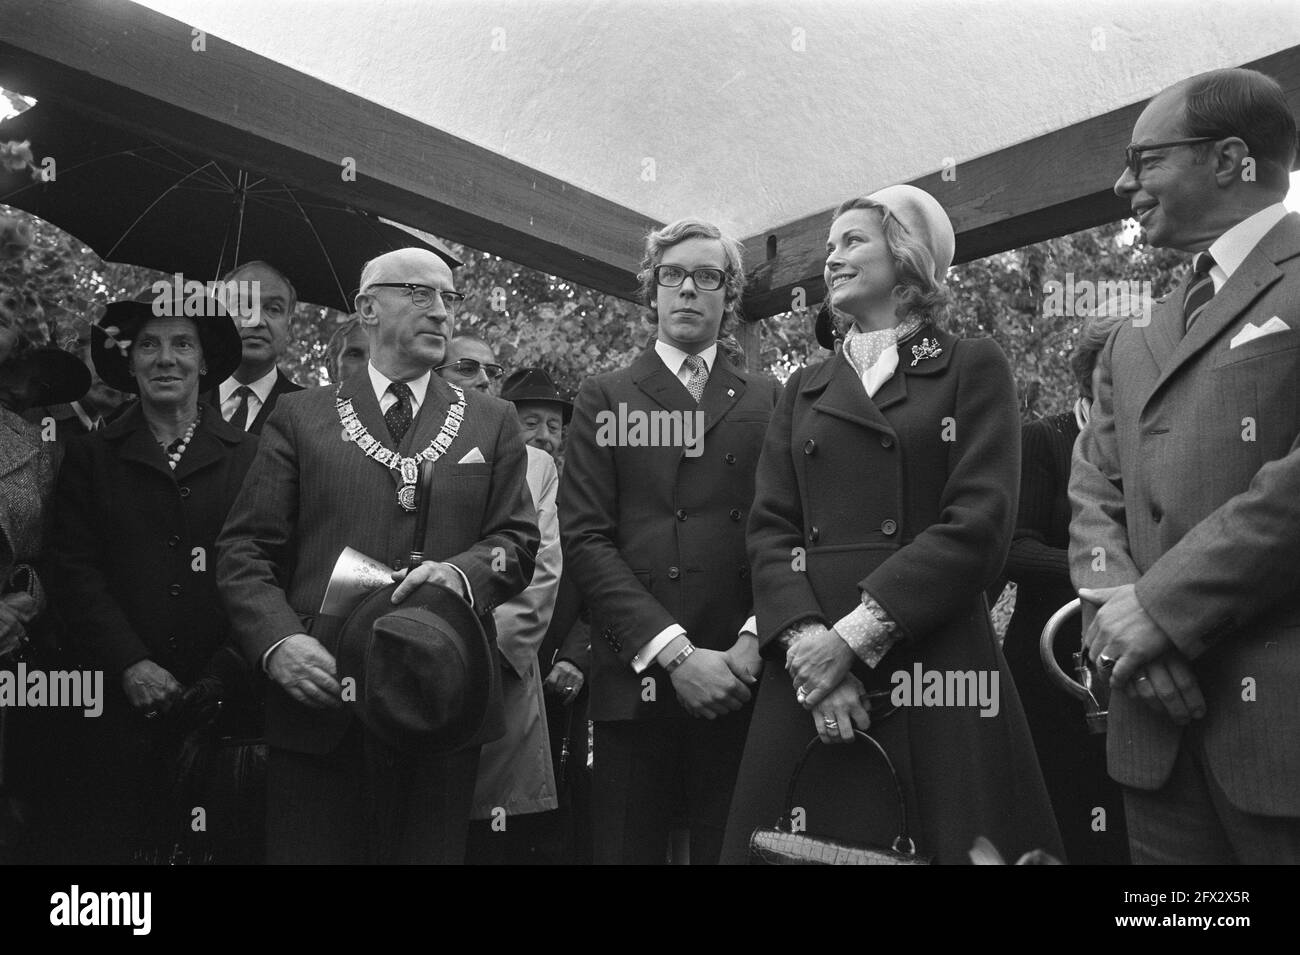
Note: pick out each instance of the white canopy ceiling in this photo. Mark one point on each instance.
(755, 113)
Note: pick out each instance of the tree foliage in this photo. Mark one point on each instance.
(529, 318)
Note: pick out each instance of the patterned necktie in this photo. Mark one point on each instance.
(1199, 291)
(699, 377)
(240, 418)
(398, 417)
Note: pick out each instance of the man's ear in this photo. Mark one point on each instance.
(365, 307)
(1230, 159)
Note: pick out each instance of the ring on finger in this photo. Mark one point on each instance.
(1105, 662)
(801, 694)
(831, 724)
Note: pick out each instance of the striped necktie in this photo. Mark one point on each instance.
(1199, 291)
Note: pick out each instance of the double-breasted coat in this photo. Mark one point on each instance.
(910, 496)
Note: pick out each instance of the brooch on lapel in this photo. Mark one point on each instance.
(929, 348)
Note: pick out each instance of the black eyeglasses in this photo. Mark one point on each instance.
(706, 280)
(469, 368)
(1133, 152)
(422, 296)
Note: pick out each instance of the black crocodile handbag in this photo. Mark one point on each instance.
(783, 846)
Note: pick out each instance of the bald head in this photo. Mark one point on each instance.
(408, 327)
(398, 265)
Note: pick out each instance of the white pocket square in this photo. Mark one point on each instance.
(1250, 332)
(474, 457)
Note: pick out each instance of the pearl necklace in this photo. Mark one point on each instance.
(177, 447)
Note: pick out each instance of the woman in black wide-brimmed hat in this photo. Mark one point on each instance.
(138, 507)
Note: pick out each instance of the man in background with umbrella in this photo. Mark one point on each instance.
(247, 397)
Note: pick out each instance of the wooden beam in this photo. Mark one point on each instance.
(136, 68)
(1045, 187)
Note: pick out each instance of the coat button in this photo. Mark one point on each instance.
(1156, 514)
(174, 590)
(673, 573)
(814, 534)
(185, 492)
(729, 458)
(681, 513)
(744, 572)
(809, 446)
(889, 528)
(886, 441)
(735, 513)
(172, 643)
(173, 540)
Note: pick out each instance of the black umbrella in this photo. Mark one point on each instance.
(136, 201)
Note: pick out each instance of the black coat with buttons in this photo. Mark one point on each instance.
(909, 495)
(133, 545)
(654, 536)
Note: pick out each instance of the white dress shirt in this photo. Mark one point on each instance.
(1231, 248)
(380, 382)
(674, 360)
(261, 391)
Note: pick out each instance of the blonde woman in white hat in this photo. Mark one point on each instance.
(885, 503)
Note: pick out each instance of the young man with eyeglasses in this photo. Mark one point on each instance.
(326, 478)
(1190, 585)
(655, 540)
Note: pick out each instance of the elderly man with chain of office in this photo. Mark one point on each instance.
(323, 481)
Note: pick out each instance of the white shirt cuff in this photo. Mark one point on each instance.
(868, 631)
(469, 591)
(656, 645)
(750, 627)
(267, 655)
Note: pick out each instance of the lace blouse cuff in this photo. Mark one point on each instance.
(869, 631)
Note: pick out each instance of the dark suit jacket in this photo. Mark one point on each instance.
(310, 493)
(133, 544)
(653, 537)
(284, 385)
(1188, 478)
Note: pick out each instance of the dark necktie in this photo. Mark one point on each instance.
(1200, 290)
(699, 377)
(398, 417)
(240, 418)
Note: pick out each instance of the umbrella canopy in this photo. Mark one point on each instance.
(139, 202)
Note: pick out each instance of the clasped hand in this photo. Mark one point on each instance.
(711, 683)
(817, 663)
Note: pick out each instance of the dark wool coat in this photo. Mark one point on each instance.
(133, 545)
(910, 496)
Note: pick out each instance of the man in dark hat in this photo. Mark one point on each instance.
(337, 468)
(247, 397)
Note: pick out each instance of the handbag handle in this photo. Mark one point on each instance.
(423, 505)
(902, 843)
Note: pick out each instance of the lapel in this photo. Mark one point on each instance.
(843, 396)
(135, 442)
(438, 397)
(1166, 327)
(358, 390)
(651, 375)
(16, 449)
(725, 387)
(1251, 280)
(212, 441)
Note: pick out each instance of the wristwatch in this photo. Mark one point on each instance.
(678, 660)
